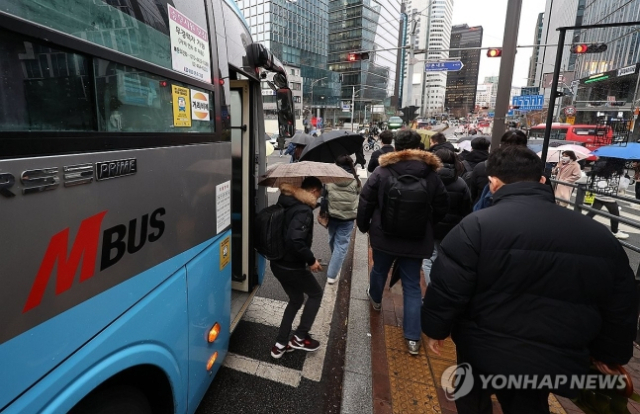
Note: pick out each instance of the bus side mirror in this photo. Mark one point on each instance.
(286, 113)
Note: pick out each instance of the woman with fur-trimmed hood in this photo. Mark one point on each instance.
(406, 252)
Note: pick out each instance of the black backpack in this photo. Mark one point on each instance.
(407, 206)
(269, 233)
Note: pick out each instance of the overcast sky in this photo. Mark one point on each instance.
(491, 14)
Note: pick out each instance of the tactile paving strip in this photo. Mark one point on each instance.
(412, 386)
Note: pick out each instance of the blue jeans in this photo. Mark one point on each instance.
(427, 263)
(412, 296)
(339, 238)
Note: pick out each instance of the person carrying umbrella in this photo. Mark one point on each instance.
(567, 170)
(610, 175)
(342, 208)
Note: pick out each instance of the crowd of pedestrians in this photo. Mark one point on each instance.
(521, 284)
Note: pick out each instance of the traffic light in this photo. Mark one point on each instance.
(409, 113)
(588, 48)
(355, 56)
(494, 52)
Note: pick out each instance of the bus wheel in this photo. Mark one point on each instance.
(119, 399)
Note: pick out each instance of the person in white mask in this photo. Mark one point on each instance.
(567, 170)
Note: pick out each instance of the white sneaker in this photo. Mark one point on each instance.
(621, 235)
(331, 281)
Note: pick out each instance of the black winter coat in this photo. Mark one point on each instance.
(407, 162)
(373, 162)
(477, 181)
(459, 201)
(529, 287)
(474, 157)
(298, 221)
(444, 145)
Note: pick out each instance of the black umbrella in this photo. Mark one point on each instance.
(329, 146)
(300, 138)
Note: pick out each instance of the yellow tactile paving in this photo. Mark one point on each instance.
(413, 378)
(412, 386)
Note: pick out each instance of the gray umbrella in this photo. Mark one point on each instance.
(301, 138)
(294, 173)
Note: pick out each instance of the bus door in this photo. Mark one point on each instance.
(243, 184)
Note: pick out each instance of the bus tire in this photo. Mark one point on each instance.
(118, 399)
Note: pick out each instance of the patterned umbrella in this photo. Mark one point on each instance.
(294, 173)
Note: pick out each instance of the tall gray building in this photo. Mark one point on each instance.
(365, 26)
(535, 55)
(462, 85)
(298, 34)
(608, 82)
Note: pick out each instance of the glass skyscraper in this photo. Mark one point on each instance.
(298, 34)
(365, 25)
(462, 85)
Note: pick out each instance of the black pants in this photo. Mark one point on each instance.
(638, 190)
(612, 207)
(296, 283)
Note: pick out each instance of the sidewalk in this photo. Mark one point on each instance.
(401, 383)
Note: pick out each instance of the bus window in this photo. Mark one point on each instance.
(559, 133)
(43, 88)
(138, 28)
(131, 100)
(536, 133)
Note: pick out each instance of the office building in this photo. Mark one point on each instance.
(535, 55)
(460, 98)
(298, 34)
(366, 26)
(607, 82)
(433, 34)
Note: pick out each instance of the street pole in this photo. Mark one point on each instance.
(509, 45)
(554, 93)
(353, 108)
(412, 41)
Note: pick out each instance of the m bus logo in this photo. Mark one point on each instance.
(85, 249)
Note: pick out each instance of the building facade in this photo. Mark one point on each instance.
(557, 13)
(460, 98)
(535, 55)
(607, 82)
(371, 26)
(298, 34)
(433, 34)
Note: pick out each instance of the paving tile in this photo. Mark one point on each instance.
(389, 317)
(382, 407)
(410, 397)
(445, 404)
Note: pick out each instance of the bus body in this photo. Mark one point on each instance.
(590, 136)
(131, 139)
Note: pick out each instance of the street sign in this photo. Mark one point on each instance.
(530, 90)
(346, 107)
(528, 103)
(571, 120)
(449, 66)
(570, 110)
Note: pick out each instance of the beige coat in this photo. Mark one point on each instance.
(570, 173)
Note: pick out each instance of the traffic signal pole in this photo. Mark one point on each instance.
(412, 41)
(509, 47)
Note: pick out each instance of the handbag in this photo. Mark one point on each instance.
(605, 400)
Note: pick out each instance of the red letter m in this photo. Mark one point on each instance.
(85, 247)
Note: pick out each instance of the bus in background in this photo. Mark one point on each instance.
(131, 140)
(590, 136)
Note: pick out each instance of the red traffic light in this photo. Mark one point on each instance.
(582, 48)
(494, 52)
(588, 48)
(352, 57)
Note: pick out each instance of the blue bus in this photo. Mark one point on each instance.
(131, 139)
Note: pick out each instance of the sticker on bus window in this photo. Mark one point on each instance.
(225, 252)
(189, 47)
(181, 106)
(200, 106)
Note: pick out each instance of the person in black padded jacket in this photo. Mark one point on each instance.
(459, 202)
(529, 288)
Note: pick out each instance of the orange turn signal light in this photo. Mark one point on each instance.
(212, 360)
(213, 333)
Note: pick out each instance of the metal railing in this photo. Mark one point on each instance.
(579, 205)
